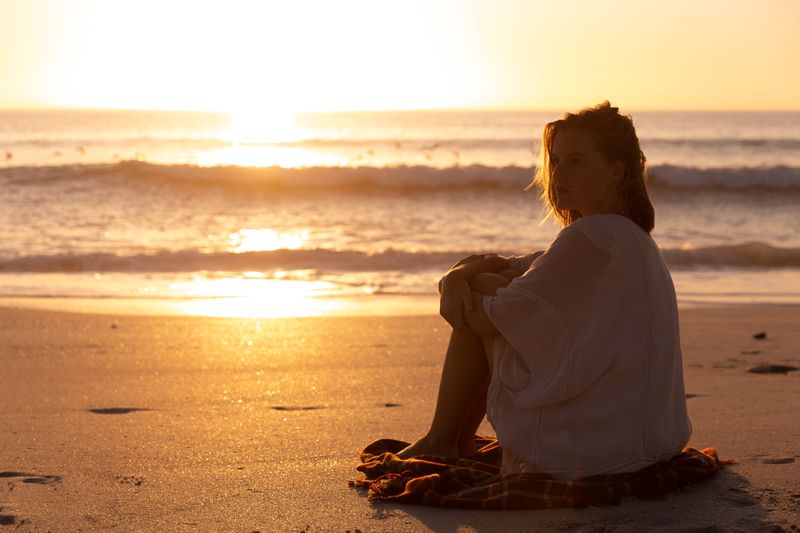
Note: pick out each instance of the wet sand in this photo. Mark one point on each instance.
(189, 423)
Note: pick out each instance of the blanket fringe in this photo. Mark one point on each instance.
(476, 482)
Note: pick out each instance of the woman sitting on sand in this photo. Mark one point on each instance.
(574, 352)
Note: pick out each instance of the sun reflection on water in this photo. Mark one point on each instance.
(262, 240)
(266, 137)
(256, 298)
(254, 125)
(267, 156)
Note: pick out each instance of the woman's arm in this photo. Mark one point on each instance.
(471, 261)
(489, 263)
(477, 264)
(456, 294)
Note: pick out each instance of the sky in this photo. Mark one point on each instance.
(302, 55)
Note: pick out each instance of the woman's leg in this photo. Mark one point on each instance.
(466, 440)
(464, 374)
(461, 403)
(486, 284)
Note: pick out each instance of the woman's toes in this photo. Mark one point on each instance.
(424, 447)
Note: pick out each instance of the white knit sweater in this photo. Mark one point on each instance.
(587, 376)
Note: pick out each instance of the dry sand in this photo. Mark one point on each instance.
(244, 425)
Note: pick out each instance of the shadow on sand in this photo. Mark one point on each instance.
(724, 503)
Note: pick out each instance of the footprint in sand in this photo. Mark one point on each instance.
(34, 479)
(117, 410)
(772, 369)
(129, 480)
(38, 479)
(7, 519)
(296, 408)
(778, 461)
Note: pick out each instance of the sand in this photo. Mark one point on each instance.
(187, 423)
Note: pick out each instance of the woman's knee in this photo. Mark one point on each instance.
(487, 283)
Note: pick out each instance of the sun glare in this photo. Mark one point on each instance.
(258, 137)
(256, 298)
(254, 295)
(254, 125)
(265, 240)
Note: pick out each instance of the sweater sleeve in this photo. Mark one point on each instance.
(541, 313)
(522, 263)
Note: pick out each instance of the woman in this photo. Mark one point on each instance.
(574, 352)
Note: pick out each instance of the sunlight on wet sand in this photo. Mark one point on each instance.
(236, 307)
(265, 298)
(242, 298)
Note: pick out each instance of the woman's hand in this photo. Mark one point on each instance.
(465, 261)
(471, 259)
(456, 298)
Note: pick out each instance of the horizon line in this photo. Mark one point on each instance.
(486, 109)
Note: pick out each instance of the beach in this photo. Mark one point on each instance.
(115, 422)
(224, 229)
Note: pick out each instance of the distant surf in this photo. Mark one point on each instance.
(743, 255)
(388, 179)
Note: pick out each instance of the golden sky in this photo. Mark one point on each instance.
(297, 55)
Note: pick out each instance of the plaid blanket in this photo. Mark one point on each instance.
(476, 483)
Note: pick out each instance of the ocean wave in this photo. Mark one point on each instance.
(278, 178)
(319, 259)
(742, 255)
(421, 143)
(755, 255)
(783, 178)
(274, 178)
(790, 143)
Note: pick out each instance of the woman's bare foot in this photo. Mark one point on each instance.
(426, 446)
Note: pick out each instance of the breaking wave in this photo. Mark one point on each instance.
(386, 179)
(756, 255)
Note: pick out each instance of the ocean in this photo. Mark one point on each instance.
(280, 215)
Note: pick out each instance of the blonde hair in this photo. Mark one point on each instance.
(616, 140)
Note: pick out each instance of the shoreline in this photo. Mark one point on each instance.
(186, 423)
(387, 305)
(340, 306)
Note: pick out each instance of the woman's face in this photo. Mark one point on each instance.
(584, 181)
